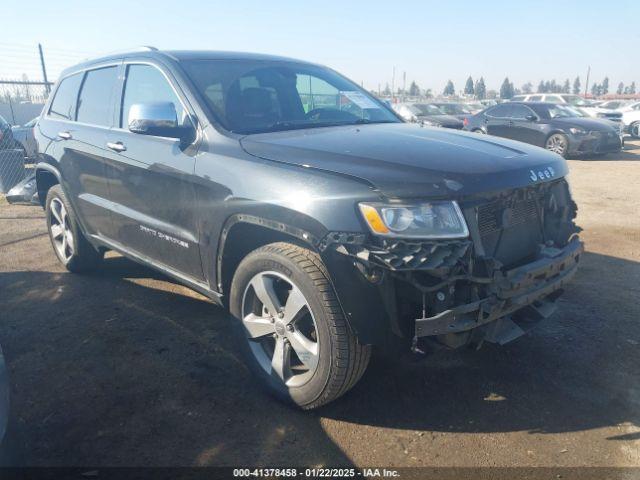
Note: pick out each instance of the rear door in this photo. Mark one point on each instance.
(78, 122)
(497, 120)
(151, 178)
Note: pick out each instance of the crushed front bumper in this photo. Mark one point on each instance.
(527, 285)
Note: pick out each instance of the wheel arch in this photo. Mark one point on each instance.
(555, 131)
(243, 233)
(46, 177)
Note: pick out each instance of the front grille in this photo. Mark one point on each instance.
(510, 227)
(495, 216)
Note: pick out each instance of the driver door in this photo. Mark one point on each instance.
(151, 178)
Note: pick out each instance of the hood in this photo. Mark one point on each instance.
(588, 124)
(406, 160)
(448, 120)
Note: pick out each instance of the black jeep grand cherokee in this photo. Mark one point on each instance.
(287, 193)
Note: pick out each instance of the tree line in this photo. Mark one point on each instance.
(478, 88)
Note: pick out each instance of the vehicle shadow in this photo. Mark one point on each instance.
(125, 367)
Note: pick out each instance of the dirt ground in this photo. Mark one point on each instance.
(124, 367)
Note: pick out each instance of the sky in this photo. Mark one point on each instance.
(430, 41)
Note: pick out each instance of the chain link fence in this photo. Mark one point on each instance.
(21, 102)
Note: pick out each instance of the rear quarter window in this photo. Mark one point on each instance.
(64, 102)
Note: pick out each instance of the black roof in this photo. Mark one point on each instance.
(180, 55)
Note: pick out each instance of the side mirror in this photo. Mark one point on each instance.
(159, 119)
(531, 117)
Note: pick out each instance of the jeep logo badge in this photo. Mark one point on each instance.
(542, 174)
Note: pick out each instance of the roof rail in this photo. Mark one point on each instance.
(141, 48)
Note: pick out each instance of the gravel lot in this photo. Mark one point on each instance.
(124, 367)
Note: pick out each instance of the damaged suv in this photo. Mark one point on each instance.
(307, 207)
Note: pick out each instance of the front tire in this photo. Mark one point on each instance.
(558, 143)
(294, 336)
(634, 130)
(69, 243)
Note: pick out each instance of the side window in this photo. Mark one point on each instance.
(64, 102)
(520, 112)
(535, 98)
(316, 93)
(94, 102)
(552, 99)
(500, 111)
(147, 84)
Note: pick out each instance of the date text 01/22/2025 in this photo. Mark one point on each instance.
(316, 473)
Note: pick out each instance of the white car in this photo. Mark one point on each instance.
(631, 118)
(614, 104)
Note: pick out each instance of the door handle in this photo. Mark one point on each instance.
(116, 146)
(65, 135)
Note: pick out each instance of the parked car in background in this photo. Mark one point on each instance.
(631, 119)
(474, 107)
(24, 139)
(614, 104)
(458, 110)
(589, 107)
(427, 114)
(556, 127)
(570, 98)
(322, 221)
(6, 135)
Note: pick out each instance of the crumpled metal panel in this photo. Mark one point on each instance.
(401, 255)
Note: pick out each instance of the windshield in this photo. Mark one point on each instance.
(426, 109)
(560, 111)
(256, 96)
(576, 100)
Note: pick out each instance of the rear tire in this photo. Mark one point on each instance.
(634, 130)
(69, 243)
(287, 308)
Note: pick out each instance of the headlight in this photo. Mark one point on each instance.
(577, 131)
(427, 220)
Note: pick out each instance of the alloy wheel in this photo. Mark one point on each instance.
(280, 328)
(557, 144)
(60, 229)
